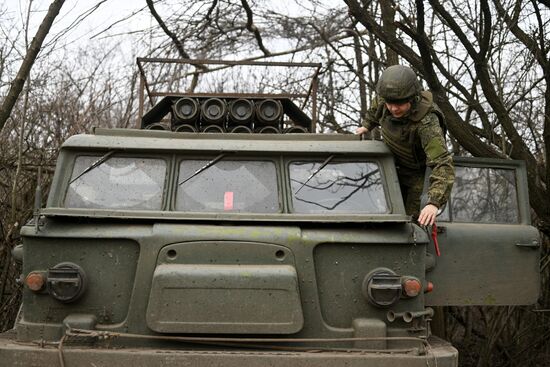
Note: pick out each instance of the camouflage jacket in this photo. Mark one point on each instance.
(417, 141)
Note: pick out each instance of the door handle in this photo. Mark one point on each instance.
(532, 244)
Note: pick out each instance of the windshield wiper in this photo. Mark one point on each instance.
(206, 166)
(327, 161)
(94, 165)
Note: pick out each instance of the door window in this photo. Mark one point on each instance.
(483, 195)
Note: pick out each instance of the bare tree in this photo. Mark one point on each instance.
(475, 59)
(28, 61)
(486, 63)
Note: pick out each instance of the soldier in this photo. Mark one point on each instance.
(410, 123)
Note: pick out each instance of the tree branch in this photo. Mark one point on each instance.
(36, 44)
(523, 37)
(177, 42)
(252, 28)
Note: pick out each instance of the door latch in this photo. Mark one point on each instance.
(532, 244)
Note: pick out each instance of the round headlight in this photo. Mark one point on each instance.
(382, 287)
(66, 282)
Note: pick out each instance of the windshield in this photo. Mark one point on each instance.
(117, 183)
(350, 187)
(228, 186)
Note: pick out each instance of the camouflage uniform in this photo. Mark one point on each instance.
(416, 141)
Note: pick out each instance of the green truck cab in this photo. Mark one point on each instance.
(173, 248)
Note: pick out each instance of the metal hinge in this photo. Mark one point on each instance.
(532, 244)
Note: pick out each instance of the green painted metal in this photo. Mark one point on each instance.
(268, 287)
(23, 355)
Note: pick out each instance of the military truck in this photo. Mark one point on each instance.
(193, 247)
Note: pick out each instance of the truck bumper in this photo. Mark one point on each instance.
(13, 353)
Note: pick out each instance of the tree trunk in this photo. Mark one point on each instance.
(36, 44)
(388, 26)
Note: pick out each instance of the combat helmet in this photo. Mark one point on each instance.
(398, 84)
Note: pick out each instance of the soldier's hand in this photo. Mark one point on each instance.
(361, 130)
(427, 215)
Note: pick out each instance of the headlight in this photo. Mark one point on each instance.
(382, 287)
(66, 282)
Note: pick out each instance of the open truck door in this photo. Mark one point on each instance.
(489, 250)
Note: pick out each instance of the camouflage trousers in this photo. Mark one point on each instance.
(411, 183)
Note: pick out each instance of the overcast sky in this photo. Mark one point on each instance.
(78, 22)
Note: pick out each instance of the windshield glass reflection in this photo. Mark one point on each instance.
(118, 183)
(228, 186)
(347, 187)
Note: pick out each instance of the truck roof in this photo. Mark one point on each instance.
(154, 140)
